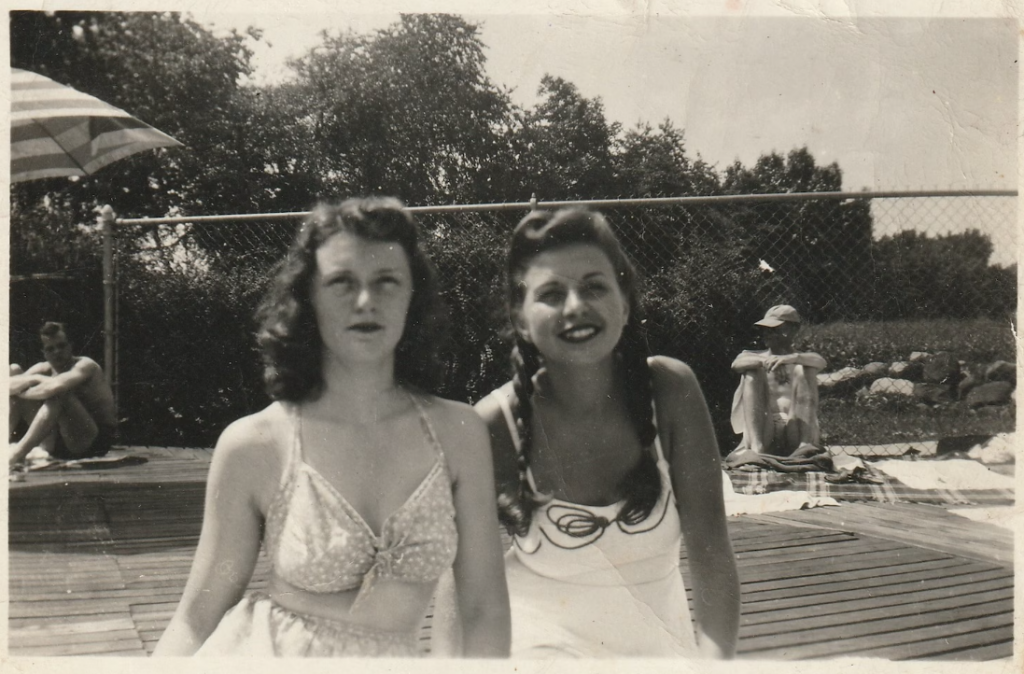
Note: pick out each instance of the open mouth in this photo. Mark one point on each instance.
(366, 328)
(579, 333)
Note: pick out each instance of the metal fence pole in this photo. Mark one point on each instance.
(106, 219)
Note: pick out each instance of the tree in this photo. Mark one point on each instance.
(407, 110)
(919, 276)
(819, 246)
(563, 147)
(654, 163)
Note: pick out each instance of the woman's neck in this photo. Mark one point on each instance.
(359, 393)
(577, 389)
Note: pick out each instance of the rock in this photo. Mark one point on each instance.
(918, 356)
(898, 368)
(959, 443)
(827, 379)
(998, 449)
(875, 369)
(904, 370)
(967, 383)
(892, 386)
(941, 368)
(993, 412)
(992, 393)
(841, 382)
(1001, 371)
(933, 394)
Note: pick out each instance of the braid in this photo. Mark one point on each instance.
(641, 486)
(516, 510)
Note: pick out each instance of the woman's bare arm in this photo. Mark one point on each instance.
(696, 471)
(229, 542)
(479, 569)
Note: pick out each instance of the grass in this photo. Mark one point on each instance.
(883, 420)
(845, 422)
(857, 344)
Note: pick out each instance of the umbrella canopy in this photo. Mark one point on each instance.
(58, 131)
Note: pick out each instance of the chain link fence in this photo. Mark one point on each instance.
(877, 278)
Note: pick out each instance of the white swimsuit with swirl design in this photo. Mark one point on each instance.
(584, 583)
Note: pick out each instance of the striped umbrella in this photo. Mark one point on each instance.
(58, 131)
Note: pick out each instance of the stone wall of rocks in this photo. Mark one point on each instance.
(930, 379)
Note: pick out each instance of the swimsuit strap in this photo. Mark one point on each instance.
(294, 454)
(428, 428)
(506, 411)
(657, 434)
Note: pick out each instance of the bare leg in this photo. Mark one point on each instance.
(759, 429)
(64, 414)
(802, 431)
(77, 427)
(15, 406)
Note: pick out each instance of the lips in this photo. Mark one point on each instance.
(579, 333)
(366, 328)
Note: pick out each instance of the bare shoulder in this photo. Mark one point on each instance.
(671, 378)
(489, 407)
(684, 421)
(455, 423)
(86, 364)
(462, 435)
(252, 449)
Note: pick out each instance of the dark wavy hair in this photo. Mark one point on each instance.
(547, 230)
(288, 336)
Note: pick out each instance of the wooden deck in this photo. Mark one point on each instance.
(98, 560)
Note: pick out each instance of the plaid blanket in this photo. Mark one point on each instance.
(763, 481)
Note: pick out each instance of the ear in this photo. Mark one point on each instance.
(519, 325)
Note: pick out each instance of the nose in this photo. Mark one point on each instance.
(573, 302)
(363, 298)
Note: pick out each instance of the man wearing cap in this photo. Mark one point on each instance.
(776, 404)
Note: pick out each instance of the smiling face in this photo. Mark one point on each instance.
(573, 310)
(360, 293)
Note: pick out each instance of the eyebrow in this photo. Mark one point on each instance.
(331, 274)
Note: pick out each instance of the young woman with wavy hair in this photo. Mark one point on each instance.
(605, 458)
(363, 487)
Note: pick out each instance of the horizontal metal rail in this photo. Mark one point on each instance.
(593, 203)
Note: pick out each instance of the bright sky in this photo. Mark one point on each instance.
(899, 103)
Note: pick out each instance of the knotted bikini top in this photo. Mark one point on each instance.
(318, 542)
(595, 545)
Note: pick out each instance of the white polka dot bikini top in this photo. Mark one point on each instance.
(319, 543)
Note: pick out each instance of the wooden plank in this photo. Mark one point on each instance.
(985, 628)
(881, 630)
(954, 647)
(927, 528)
(842, 591)
(66, 625)
(829, 611)
(121, 595)
(26, 641)
(131, 646)
(829, 565)
(1002, 650)
(853, 578)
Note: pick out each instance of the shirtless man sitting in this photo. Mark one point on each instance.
(776, 404)
(65, 400)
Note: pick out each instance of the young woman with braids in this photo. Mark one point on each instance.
(603, 457)
(363, 488)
